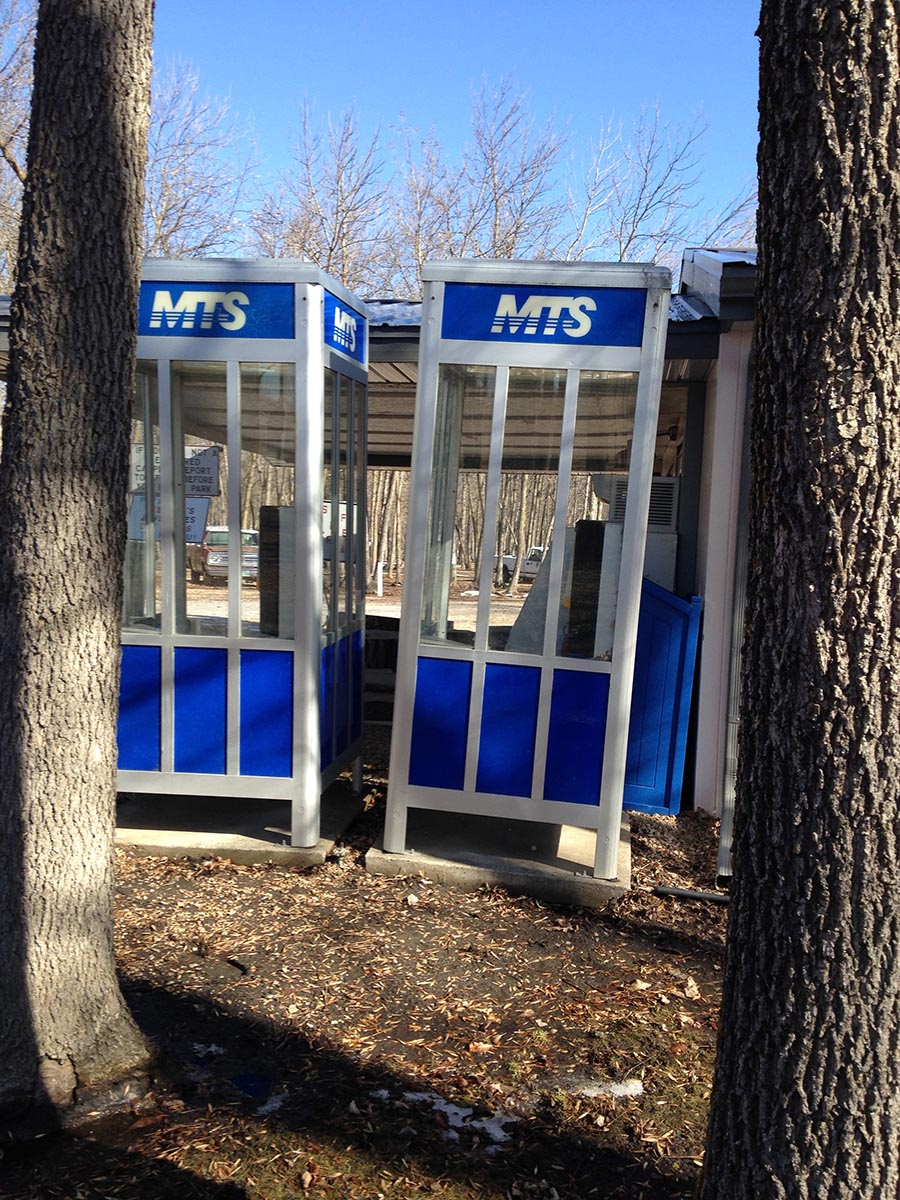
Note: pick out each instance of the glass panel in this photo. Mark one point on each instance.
(670, 430)
(531, 447)
(343, 482)
(462, 442)
(268, 536)
(359, 500)
(142, 602)
(199, 412)
(329, 514)
(602, 454)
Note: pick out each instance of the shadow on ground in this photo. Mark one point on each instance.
(249, 1109)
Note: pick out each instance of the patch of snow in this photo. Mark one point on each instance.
(210, 1051)
(458, 1117)
(493, 1126)
(273, 1104)
(630, 1088)
(395, 312)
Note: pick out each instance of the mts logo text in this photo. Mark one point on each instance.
(195, 309)
(544, 315)
(344, 329)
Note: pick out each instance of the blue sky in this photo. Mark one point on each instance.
(578, 61)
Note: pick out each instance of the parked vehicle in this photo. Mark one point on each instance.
(531, 564)
(208, 560)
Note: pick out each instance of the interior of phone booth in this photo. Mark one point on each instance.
(595, 505)
(243, 615)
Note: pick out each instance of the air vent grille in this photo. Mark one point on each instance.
(663, 515)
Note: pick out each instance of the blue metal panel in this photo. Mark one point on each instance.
(139, 711)
(342, 696)
(358, 683)
(508, 724)
(661, 700)
(345, 329)
(440, 723)
(201, 684)
(267, 712)
(326, 706)
(578, 707)
(480, 312)
(220, 310)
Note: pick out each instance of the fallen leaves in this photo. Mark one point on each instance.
(491, 1002)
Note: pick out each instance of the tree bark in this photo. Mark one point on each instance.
(65, 1032)
(806, 1100)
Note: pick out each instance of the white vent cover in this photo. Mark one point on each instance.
(663, 515)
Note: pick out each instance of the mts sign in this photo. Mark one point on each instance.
(345, 329)
(216, 309)
(544, 315)
(198, 309)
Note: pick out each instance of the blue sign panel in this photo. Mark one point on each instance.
(345, 330)
(216, 310)
(477, 312)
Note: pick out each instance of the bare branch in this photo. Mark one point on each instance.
(17, 21)
(199, 170)
(734, 224)
(510, 208)
(330, 208)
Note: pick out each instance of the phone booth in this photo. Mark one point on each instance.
(243, 619)
(536, 410)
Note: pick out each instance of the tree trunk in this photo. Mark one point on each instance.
(66, 1034)
(525, 501)
(806, 1101)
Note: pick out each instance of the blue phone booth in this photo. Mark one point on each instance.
(243, 621)
(538, 388)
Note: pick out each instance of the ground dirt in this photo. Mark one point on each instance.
(330, 1033)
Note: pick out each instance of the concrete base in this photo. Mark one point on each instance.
(554, 863)
(243, 830)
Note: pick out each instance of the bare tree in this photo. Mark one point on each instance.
(509, 207)
(16, 38)
(589, 195)
(734, 224)
(510, 195)
(499, 201)
(199, 170)
(331, 207)
(637, 199)
(421, 211)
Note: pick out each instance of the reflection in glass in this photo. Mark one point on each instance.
(329, 508)
(142, 603)
(462, 440)
(268, 558)
(359, 500)
(200, 427)
(343, 499)
(529, 466)
(604, 428)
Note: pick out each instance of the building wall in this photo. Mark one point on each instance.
(720, 497)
